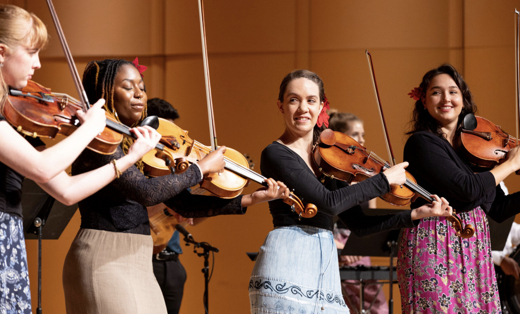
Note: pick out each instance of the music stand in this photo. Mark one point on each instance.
(40, 209)
(380, 244)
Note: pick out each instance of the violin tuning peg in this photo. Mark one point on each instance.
(293, 209)
(300, 216)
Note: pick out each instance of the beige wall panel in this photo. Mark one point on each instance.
(98, 28)
(490, 23)
(231, 26)
(456, 23)
(341, 24)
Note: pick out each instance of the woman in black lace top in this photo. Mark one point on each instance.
(22, 35)
(108, 268)
(297, 268)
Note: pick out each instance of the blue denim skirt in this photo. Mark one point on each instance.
(297, 272)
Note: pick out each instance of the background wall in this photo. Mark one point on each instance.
(252, 45)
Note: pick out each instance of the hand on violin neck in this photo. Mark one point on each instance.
(95, 117)
(213, 162)
(273, 190)
(439, 208)
(396, 174)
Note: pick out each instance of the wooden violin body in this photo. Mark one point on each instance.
(162, 227)
(484, 144)
(340, 157)
(184, 150)
(36, 111)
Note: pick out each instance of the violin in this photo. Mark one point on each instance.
(36, 111)
(340, 157)
(483, 143)
(228, 184)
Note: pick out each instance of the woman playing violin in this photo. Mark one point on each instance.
(22, 35)
(438, 271)
(297, 268)
(108, 268)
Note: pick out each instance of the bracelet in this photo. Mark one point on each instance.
(118, 172)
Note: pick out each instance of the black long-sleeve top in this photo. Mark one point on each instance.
(332, 198)
(121, 205)
(11, 183)
(439, 169)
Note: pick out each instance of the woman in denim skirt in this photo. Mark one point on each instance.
(297, 268)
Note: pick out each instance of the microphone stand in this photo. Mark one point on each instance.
(205, 270)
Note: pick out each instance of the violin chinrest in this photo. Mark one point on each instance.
(151, 121)
(470, 122)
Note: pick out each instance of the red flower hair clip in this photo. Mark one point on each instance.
(140, 68)
(416, 93)
(323, 118)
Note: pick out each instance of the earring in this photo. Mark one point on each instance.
(1, 64)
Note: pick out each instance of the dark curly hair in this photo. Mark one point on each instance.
(296, 74)
(422, 120)
(162, 109)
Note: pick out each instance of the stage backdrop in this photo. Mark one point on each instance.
(252, 45)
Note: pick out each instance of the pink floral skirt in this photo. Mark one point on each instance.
(439, 272)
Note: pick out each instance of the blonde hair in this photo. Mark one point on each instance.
(341, 121)
(14, 31)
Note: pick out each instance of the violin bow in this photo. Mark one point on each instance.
(68, 55)
(517, 69)
(376, 91)
(211, 116)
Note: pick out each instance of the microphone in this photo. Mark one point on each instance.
(183, 231)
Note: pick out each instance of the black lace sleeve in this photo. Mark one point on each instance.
(134, 185)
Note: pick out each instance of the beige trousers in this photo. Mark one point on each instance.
(111, 273)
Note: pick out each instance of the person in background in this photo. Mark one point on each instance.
(501, 258)
(167, 267)
(352, 126)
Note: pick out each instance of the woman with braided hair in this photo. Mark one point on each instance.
(108, 268)
(22, 36)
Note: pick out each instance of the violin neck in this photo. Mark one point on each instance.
(419, 190)
(244, 172)
(123, 129)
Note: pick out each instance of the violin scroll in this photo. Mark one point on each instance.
(307, 211)
(467, 232)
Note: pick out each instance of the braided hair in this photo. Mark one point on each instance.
(99, 82)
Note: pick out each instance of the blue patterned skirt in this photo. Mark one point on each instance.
(15, 293)
(297, 272)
